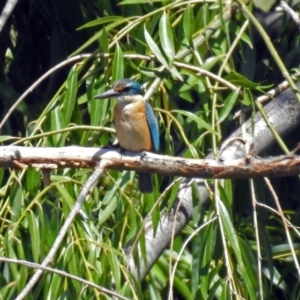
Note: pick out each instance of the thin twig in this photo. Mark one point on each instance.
(62, 273)
(90, 183)
(177, 211)
(6, 12)
(223, 237)
(288, 235)
(295, 228)
(255, 224)
(293, 14)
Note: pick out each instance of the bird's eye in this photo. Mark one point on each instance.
(126, 89)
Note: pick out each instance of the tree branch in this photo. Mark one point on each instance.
(241, 168)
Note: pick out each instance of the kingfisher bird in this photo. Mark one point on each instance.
(135, 122)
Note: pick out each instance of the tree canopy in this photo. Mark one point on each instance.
(203, 65)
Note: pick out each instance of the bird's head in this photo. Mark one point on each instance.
(123, 90)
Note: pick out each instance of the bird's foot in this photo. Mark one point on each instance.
(143, 154)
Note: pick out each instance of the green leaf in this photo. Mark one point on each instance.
(196, 119)
(228, 105)
(239, 80)
(57, 123)
(103, 20)
(155, 49)
(70, 95)
(98, 107)
(232, 238)
(197, 203)
(188, 23)
(125, 2)
(4, 138)
(166, 38)
(98, 35)
(118, 64)
(67, 198)
(33, 178)
(209, 63)
(33, 226)
(104, 41)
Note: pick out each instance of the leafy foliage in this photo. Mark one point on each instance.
(168, 45)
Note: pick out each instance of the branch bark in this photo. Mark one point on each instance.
(74, 157)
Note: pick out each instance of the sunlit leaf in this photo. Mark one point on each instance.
(57, 122)
(196, 119)
(188, 23)
(70, 95)
(228, 105)
(166, 37)
(33, 227)
(118, 64)
(155, 49)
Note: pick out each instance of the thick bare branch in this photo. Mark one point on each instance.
(52, 158)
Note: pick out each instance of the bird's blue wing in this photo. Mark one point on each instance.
(153, 126)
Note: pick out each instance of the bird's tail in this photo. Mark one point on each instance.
(145, 183)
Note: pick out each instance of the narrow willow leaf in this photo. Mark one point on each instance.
(154, 48)
(188, 23)
(98, 35)
(70, 96)
(230, 232)
(155, 215)
(197, 248)
(239, 80)
(166, 37)
(54, 287)
(171, 198)
(16, 201)
(197, 204)
(71, 260)
(234, 243)
(57, 122)
(183, 288)
(209, 239)
(250, 267)
(67, 198)
(33, 227)
(98, 107)
(209, 63)
(4, 138)
(228, 190)
(9, 249)
(109, 209)
(104, 41)
(1, 176)
(118, 64)
(196, 119)
(33, 178)
(115, 269)
(228, 105)
(103, 20)
(139, 1)
(225, 200)
(23, 271)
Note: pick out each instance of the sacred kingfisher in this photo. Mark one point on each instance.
(136, 125)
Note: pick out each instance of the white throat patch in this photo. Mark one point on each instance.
(131, 98)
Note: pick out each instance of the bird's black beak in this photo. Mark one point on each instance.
(108, 94)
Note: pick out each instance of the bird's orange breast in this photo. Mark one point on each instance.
(131, 126)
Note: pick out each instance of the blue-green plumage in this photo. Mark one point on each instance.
(153, 126)
(136, 125)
